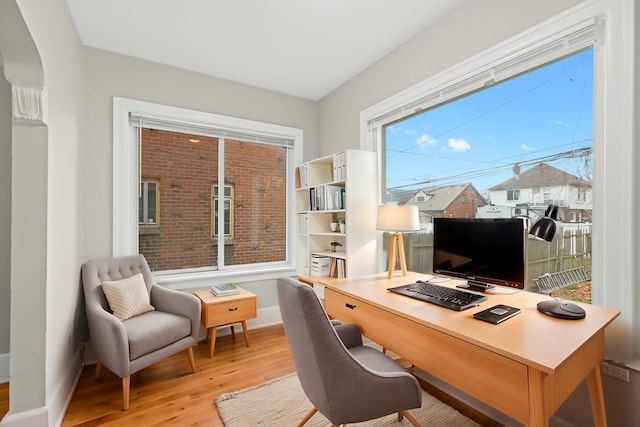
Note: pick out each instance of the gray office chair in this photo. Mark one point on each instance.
(127, 346)
(345, 381)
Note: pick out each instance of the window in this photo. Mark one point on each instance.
(604, 25)
(582, 194)
(227, 209)
(192, 154)
(506, 140)
(148, 203)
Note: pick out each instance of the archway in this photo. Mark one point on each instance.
(28, 216)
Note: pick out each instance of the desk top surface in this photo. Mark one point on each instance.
(530, 337)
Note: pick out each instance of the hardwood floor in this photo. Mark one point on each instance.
(4, 399)
(167, 393)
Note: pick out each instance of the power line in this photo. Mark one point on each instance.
(482, 173)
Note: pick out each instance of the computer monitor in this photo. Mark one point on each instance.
(485, 252)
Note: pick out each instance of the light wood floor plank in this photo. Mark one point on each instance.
(167, 393)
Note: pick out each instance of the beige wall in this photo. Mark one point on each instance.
(109, 75)
(468, 30)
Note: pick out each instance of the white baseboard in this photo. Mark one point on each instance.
(34, 417)
(59, 401)
(4, 367)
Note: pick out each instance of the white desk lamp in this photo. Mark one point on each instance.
(395, 220)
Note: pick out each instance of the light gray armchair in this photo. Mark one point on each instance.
(345, 381)
(127, 346)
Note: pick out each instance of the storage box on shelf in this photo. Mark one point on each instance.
(342, 185)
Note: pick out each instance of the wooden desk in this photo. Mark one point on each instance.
(221, 311)
(524, 367)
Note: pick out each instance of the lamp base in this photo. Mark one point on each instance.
(561, 310)
(397, 242)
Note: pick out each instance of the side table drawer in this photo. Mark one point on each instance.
(229, 312)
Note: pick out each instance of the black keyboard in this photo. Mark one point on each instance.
(454, 299)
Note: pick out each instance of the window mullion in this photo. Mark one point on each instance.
(220, 206)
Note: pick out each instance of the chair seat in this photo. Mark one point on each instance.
(153, 330)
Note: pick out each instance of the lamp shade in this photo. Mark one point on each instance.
(546, 228)
(398, 218)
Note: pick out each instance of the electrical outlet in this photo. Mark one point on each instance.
(614, 371)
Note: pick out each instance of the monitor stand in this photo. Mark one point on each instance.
(474, 285)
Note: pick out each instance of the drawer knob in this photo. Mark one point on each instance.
(233, 309)
(351, 306)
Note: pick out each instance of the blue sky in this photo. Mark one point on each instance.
(479, 138)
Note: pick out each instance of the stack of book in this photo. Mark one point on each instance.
(224, 289)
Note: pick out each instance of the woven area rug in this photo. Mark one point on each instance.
(281, 402)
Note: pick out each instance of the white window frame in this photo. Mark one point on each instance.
(125, 188)
(215, 196)
(144, 192)
(614, 271)
(513, 195)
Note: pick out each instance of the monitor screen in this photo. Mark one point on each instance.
(483, 251)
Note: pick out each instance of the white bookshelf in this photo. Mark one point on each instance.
(354, 173)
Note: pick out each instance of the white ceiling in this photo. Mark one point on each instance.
(305, 48)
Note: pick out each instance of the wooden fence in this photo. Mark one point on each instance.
(570, 248)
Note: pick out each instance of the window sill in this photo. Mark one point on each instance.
(193, 280)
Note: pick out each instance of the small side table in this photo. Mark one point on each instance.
(221, 311)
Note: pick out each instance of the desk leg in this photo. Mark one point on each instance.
(537, 416)
(594, 382)
(246, 332)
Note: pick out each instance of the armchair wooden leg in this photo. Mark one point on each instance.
(126, 385)
(192, 361)
(409, 417)
(308, 416)
(98, 369)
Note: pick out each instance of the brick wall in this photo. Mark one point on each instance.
(185, 172)
(466, 204)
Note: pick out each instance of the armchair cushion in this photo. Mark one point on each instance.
(153, 330)
(127, 297)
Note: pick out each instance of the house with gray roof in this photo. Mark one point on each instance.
(543, 185)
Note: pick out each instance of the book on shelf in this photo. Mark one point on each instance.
(340, 270)
(224, 289)
(339, 166)
(303, 172)
(333, 197)
(326, 197)
(303, 224)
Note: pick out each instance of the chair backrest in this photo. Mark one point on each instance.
(94, 272)
(325, 367)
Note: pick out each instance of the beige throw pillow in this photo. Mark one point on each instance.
(127, 297)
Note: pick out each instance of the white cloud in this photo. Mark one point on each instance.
(561, 123)
(525, 147)
(426, 140)
(459, 145)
